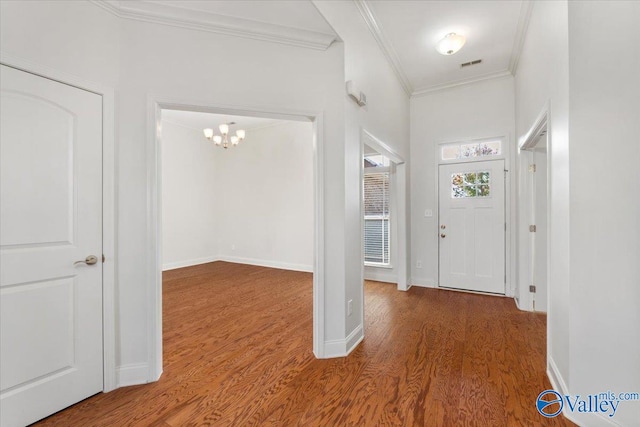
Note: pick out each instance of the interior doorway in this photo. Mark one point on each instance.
(384, 213)
(534, 216)
(156, 107)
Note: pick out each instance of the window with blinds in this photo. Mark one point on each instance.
(376, 218)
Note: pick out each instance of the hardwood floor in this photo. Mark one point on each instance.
(237, 351)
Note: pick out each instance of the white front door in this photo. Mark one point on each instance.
(50, 217)
(472, 226)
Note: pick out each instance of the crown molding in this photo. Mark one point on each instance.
(518, 42)
(215, 23)
(436, 88)
(385, 45)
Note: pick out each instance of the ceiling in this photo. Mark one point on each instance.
(409, 30)
(200, 121)
(293, 14)
(406, 31)
(296, 23)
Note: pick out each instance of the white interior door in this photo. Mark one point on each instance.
(539, 219)
(50, 217)
(472, 226)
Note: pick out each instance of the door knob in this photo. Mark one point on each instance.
(443, 235)
(443, 226)
(90, 260)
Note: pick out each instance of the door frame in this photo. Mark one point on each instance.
(399, 187)
(526, 142)
(155, 105)
(509, 205)
(109, 249)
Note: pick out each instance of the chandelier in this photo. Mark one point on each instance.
(224, 139)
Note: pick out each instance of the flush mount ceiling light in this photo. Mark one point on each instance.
(450, 44)
(225, 138)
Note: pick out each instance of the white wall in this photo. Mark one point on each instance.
(542, 80)
(251, 204)
(479, 110)
(386, 116)
(190, 206)
(265, 200)
(48, 34)
(604, 129)
(145, 60)
(169, 63)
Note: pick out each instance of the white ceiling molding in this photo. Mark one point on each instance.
(215, 23)
(431, 89)
(518, 42)
(385, 45)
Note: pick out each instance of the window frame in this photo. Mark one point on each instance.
(503, 150)
(370, 171)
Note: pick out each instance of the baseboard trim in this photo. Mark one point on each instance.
(342, 348)
(239, 260)
(189, 263)
(380, 276)
(424, 283)
(584, 420)
(132, 374)
(267, 263)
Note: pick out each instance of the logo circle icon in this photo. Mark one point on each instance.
(545, 402)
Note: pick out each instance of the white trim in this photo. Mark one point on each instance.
(510, 209)
(503, 150)
(384, 44)
(382, 148)
(153, 241)
(109, 224)
(527, 141)
(154, 105)
(235, 26)
(428, 90)
(238, 260)
(424, 283)
(376, 264)
(342, 348)
(380, 276)
(530, 139)
(267, 263)
(403, 260)
(109, 240)
(559, 385)
(189, 262)
(132, 374)
(521, 31)
(398, 185)
(318, 237)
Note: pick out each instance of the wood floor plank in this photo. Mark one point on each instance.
(237, 352)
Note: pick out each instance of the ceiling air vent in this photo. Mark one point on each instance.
(470, 63)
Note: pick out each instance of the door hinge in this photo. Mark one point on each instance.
(532, 168)
(532, 229)
(103, 258)
(532, 288)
